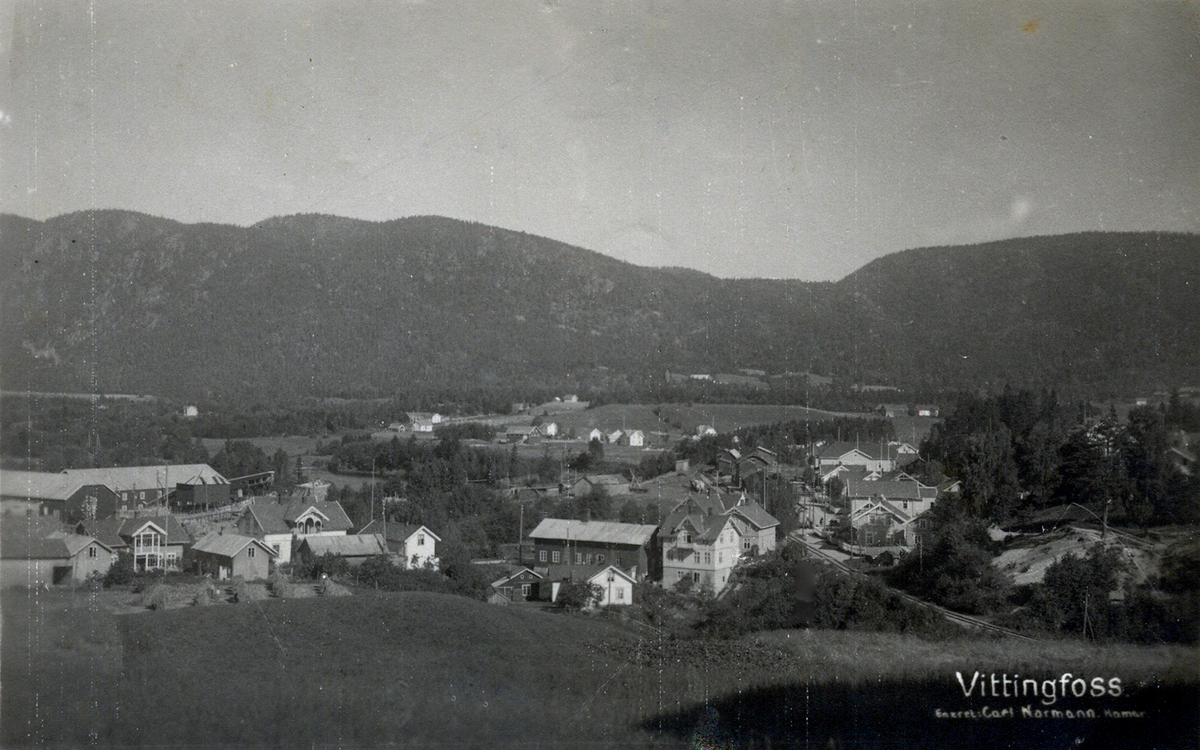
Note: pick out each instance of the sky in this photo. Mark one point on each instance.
(771, 139)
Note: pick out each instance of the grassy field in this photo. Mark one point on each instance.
(429, 670)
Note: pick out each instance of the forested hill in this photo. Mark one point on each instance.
(320, 305)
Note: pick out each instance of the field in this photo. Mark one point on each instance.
(424, 670)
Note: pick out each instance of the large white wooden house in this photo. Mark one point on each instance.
(282, 525)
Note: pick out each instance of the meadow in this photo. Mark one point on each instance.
(427, 670)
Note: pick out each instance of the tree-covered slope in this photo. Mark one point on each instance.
(318, 305)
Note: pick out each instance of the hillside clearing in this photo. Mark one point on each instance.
(432, 670)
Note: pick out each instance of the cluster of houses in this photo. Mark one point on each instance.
(63, 528)
(882, 503)
(708, 531)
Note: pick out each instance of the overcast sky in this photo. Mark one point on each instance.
(777, 139)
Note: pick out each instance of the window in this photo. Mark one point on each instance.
(696, 577)
(579, 558)
(420, 540)
(600, 559)
(621, 594)
(91, 551)
(250, 551)
(277, 548)
(745, 544)
(542, 555)
(708, 558)
(589, 558)
(687, 538)
(720, 558)
(525, 589)
(554, 556)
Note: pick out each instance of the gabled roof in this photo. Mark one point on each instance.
(116, 532)
(38, 485)
(703, 514)
(870, 449)
(890, 490)
(514, 574)
(755, 515)
(396, 532)
(277, 518)
(226, 545)
(123, 478)
(600, 532)
(605, 480)
(26, 539)
(351, 545)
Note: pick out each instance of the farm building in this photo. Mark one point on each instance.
(225, 556)
(142, 487)
(47, 494)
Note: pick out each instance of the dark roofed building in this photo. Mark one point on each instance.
(568, 542)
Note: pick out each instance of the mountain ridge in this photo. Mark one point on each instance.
(314, 304)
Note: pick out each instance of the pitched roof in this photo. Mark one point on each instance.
(893, 490)
(706, 515)
(600, 532)
(871, 449)
(605, 480)
(755, 515)
(38, 485)
(35, 541)
(396, 532)
(351, 545)
(514, 574)
(113, 531)
(277, 518)
(121, 478)
(226, 545)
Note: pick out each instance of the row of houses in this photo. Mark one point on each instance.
(45, 548)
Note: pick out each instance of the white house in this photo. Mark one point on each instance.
(616, 587)
(281, 526)
(635, 438)
(415, 546)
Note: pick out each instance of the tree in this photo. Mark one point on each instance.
(1074, 593)
(579, 595)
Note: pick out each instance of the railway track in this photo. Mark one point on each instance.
(955, 617)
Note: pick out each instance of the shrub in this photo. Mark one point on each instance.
(120, 573)
(156, 597)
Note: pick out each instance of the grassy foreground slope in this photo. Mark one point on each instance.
(414, 670)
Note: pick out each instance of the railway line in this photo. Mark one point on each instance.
(957, 618)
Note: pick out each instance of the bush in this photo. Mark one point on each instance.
(120, 573)
(156, 597)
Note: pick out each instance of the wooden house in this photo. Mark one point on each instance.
(35, 554)
(225, 556)
(412, 545)
(560, 541)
